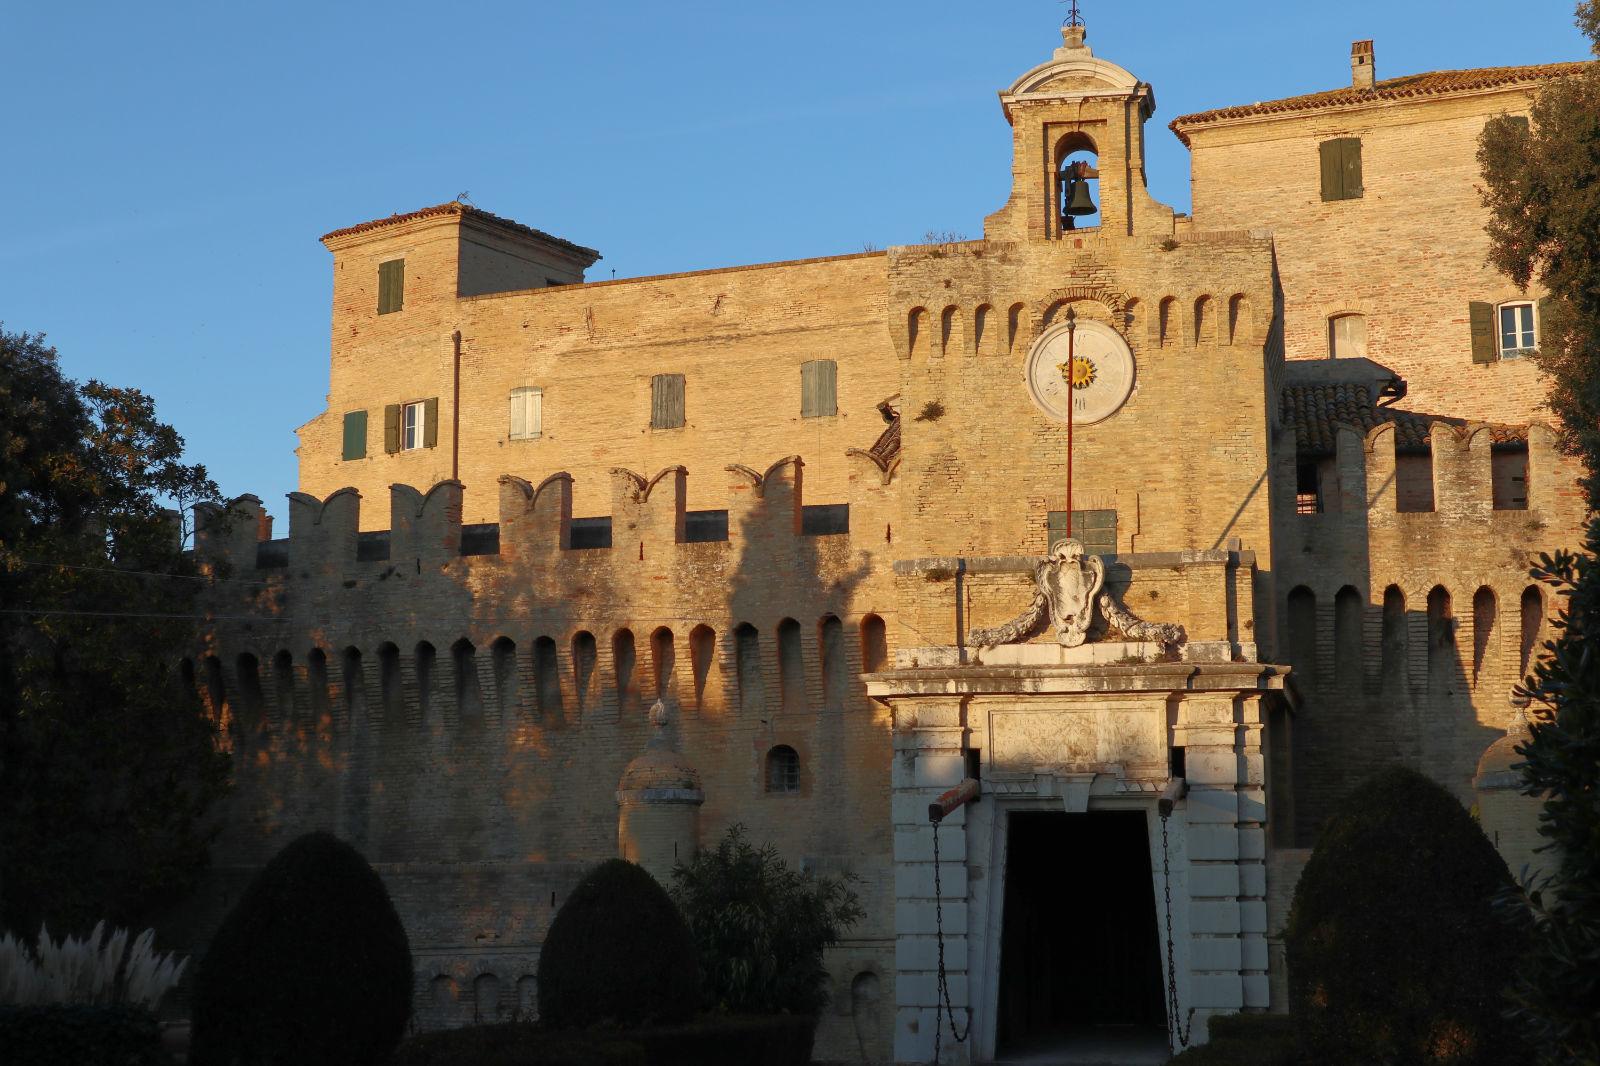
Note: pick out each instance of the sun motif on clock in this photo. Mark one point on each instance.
(1083, 372)
(1101, 372)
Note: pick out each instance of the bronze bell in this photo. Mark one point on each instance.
(1079, 201)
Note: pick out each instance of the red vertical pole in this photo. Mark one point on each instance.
(1072, 402)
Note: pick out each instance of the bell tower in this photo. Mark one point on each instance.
(1077, 134)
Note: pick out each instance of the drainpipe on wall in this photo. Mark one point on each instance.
(455, 413)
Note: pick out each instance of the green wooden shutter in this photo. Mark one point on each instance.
(1485, 348)
(1350, 151)
(355, 435)
(1332, 170)
(666, 401)
(391, 428)
(818, 389)
(391, 286)
(430, 422)
(1545, 309)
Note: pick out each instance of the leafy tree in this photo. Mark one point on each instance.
(1541, 184)
(1557, 991)
(1542, 188)
(761, 927)
(106, 771)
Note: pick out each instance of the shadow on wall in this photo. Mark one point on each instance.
(816, 750)
(1388, 682)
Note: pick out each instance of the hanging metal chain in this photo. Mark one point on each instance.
(1177, 1035)
(942, 1004)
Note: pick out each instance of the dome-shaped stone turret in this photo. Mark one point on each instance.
(1495, 766)
(1509, 818)
(658, 801)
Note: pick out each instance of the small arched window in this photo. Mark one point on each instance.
(874, 644)
(585, 654)
(783, 769)
(1347, 337)
(389, 686)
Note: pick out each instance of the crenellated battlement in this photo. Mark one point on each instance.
(648, 516)
(1468, 478)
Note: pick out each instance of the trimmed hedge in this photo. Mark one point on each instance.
(311, 967)
(729, 1040)
(1394, 952)
(518, 1044)
(1246, 1040)
(80, 1033)
(617, 955)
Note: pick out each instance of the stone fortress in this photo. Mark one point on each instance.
(588, 568)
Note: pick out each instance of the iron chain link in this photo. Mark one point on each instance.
(1177, 1034)
(942, 1004)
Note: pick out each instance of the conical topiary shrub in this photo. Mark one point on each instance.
(618, 954)
(1394, 953)
(311, 966)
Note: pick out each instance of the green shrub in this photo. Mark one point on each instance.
(311, 967)
(760, 927)
(1394, 953)
(618, 954)
(102, 1034)
(518, 1044)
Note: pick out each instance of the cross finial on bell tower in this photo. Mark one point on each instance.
(1073, 30)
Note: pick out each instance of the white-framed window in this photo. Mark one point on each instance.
(1518, 330)
(413, 425)
(527, 412)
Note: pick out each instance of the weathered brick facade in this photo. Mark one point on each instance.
(441, 665)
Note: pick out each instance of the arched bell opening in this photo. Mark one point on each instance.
(1077, 202)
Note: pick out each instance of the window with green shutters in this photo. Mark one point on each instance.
(1095, 530)
(355, 435)
(1341, 168)
(666, 401)
(409, 426)
(818, 388)
(391, 286)
(1505, 331)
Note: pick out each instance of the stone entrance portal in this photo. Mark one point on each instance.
(1075, 736)
(1080, 956)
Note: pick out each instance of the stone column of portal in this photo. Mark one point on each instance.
(1208, 880)
(1253, 852)
(928, 760)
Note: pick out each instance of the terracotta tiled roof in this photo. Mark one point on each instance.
(456, 207)
(1434, 83)
(887, 446)
(1315, 412)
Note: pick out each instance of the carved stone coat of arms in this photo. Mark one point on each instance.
(1068, 588)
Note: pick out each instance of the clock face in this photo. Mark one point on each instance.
(1102, 375)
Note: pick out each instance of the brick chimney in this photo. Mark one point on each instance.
(1362, 74)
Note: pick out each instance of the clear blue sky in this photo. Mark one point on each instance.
(171, 165)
